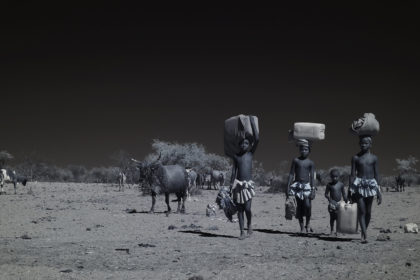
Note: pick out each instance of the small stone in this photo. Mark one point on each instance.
(66, 270)
(339, 247)
(171, 227)
(213, 228)
(408, 264)
(25, 236)
(196, 277)
(383, 237)
(88, 229)
(411, 228)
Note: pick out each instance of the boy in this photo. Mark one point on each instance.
(302, 171)
(242, 186)
(363, 183)
(333, 192)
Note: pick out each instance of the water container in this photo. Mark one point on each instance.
(309, 131)
(347, 218)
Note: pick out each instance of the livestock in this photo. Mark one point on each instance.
(10, 176)
(169, 178)
(217, 179)
(400, 183)
(121, 180)
(192, 181)
(200, 180)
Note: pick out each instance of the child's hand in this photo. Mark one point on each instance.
(312, 197)
(379, 199)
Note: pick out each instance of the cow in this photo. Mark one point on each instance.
(169, 178)
(207, 181)
(400, 183)
(10, 176)
(200, 180)
(121, 180)
(217, 179)
(192, 181)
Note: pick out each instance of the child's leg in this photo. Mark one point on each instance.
(300, 212)
(332, 222)
(361, 210)
(368, 203)
(307, 205)
(248, 215)
(241, 210)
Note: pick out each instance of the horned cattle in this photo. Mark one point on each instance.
(165, 179)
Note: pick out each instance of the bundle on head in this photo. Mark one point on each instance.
(366, 125)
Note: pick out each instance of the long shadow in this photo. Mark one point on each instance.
(134, 211)
(207, 234)
(308, 235)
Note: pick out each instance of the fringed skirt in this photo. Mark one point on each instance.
(364, 187)
(243, 191)
(300, 190)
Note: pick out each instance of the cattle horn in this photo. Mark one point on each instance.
(135, 160)
(160, 155)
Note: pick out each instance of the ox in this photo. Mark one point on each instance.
(10, 176)
(121, 180)
(400, 183)
(217, 179)
(169, 178)
(192, 181)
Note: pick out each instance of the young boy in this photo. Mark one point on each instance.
(363, 183)
(242, 186)
(302, 171)
(333, 192)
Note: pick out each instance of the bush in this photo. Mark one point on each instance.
(278, 184)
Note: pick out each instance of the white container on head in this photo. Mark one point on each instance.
(309, 131)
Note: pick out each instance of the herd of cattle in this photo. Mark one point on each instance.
(163, 179)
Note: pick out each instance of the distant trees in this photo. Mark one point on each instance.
(187, 155)
(407, 165)
(407, 169)
(5, 156)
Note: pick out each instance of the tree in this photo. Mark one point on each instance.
(407, 165)
(4, 157)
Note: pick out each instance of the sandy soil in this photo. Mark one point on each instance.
(82, 231)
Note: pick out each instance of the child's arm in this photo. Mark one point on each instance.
(234, 173)
(256, 137)
(291, 177)
(327, 191)
(352, 174)
(343, 193)
(312, 170)
(312, 173)
(375, 170)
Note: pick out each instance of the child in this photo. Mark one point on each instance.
(363, 183)
(242, 186)
(333, 192)
(302, 171)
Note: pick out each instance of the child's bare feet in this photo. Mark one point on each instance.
(242, 236)
(249, 231)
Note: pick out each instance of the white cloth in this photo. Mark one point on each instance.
(243, 191)
(365, 187)
(300, 190)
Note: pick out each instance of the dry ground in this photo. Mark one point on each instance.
(82, 231)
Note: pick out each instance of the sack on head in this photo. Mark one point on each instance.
(238, 128)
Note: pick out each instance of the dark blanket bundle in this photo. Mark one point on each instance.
(225, 202)
(290, 207)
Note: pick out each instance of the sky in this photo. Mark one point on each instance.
(80, 83)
